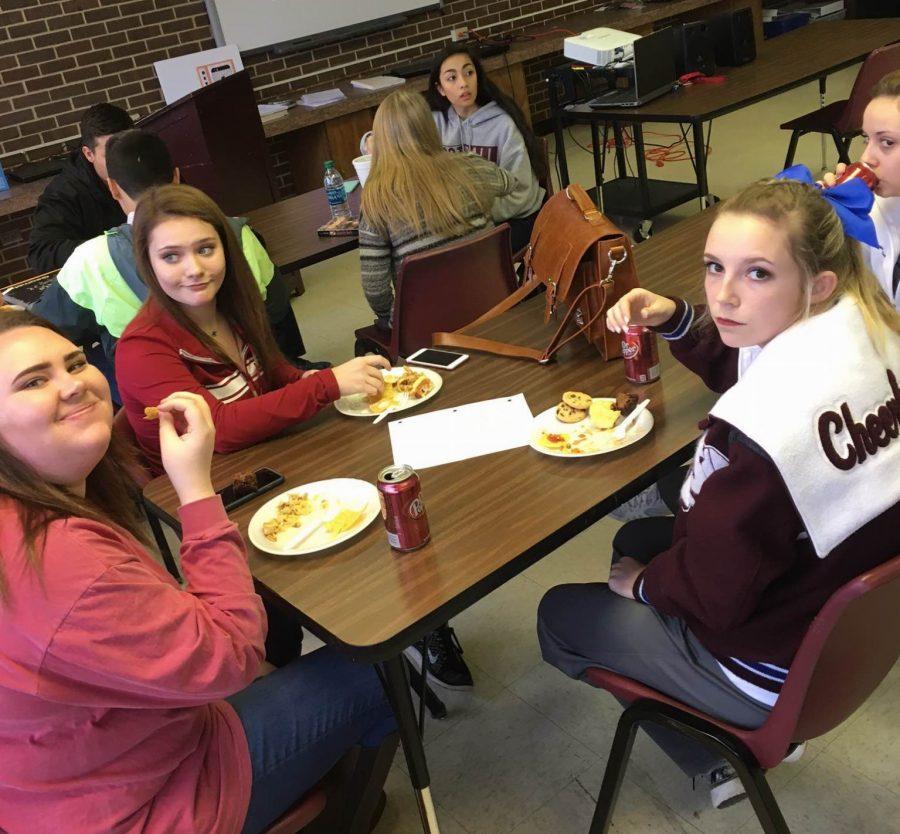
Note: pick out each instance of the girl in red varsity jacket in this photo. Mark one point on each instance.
(793, 489)
(203, 329)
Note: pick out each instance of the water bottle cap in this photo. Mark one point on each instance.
(329, 164)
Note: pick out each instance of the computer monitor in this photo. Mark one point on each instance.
(654, 63)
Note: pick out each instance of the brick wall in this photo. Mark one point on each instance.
(60, 56)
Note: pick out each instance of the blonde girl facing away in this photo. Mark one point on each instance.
(792, 491)
(418, 196)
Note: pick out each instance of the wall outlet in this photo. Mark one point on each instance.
(459, 33)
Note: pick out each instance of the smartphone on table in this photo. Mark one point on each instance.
(236, 495)
(434, 358)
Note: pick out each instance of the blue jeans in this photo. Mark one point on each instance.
(300, 720)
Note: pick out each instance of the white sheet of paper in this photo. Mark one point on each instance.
(466, 431)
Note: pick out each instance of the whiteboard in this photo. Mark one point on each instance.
(255, 25)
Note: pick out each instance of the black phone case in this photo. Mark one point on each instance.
(244, 499)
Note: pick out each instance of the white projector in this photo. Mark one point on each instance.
(600, 46)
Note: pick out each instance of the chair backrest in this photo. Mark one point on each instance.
(447, 288)
(122, 428)
(880, 62)
(546, 182)
(848, 650)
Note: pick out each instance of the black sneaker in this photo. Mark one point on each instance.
(445, 664)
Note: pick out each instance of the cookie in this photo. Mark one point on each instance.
(566, 414)
(577, 400)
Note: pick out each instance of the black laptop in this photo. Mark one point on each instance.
(654, 73)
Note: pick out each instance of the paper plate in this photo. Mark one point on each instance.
(583, 440)
(327, 499)
(356, 405)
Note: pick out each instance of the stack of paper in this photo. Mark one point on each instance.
(321, 98)
(267, 112)
(460, 433)
(377, 82)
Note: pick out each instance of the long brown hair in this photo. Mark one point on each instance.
(487, 91)
(238, 299)
(818, 244)
(413, 180)
(109, 496)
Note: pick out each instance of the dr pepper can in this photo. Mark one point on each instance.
(401, 507)
(640, 355)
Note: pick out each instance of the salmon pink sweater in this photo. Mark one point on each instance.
(112, 679)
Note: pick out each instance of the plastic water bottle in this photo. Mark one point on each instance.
(4, 185)
(334, 190)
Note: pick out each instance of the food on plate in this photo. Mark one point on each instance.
(603, 414)
(577, 400)
(151, 413)
(345, 519)
(408, 384)
(421, 387)
(291, 512)
(244, 483)
(625, 402)
(553, 440)
(566, 414)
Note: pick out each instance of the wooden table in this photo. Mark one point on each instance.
(809, 53)
(372, 602)
(289, 229)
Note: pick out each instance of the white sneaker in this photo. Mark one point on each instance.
(794, 755)
(725, 788)
(644, 505)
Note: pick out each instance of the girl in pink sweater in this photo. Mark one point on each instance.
(204, 330)
(112, 677)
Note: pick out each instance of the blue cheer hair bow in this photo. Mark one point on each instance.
(852, 201)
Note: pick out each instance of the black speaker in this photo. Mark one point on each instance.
(733, 39)
(694, 50)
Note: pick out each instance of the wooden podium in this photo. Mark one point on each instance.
(216, 139)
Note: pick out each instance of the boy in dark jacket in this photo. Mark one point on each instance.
(77, 205)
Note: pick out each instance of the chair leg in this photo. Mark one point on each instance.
(841, 147)
(752, 776)
(792, 148)
(615, 772)
(161, 543)
(362, 792)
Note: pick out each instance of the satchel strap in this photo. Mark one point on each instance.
(585, 204)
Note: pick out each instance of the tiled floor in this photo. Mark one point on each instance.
(525, 751)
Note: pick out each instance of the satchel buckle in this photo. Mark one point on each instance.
(551, 296)
(613, 263)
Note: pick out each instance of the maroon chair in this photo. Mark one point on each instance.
(300, 815)
(141, 477)
(851, 645)
(843, 119)
(443, 289)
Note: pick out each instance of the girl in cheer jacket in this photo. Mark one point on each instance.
(793, 490)
(128, 701)
(203, 329)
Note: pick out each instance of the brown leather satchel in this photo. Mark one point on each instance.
(586, 265)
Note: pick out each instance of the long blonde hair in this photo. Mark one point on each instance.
(818, 244)
(413, 180)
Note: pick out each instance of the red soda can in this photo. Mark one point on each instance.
(402, 509)
(640, 354)
(858, 171)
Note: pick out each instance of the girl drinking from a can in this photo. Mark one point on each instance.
(881, 131)
(793, 489)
